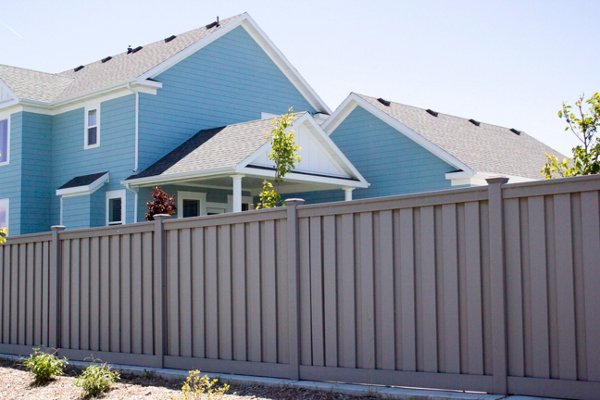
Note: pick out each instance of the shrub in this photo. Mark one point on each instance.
(96, 379)
(44, 366)
(163, 203)
(198, 386)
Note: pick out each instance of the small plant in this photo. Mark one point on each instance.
(148, 374)
(163, 203)
(96, 379)
(44, 366)
(197, 386)
(3, 235)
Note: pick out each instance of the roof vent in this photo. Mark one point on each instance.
(515, 131)
(213, 24)
(384, 102)
(167, 40)
(136, 49)
(105, 59)
(431, 112)
(129, 49)
(474, 122)
(78, 68)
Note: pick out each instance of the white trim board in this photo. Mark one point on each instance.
(8, 135)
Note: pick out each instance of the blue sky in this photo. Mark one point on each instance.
(509, 63)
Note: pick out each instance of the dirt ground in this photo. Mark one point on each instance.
(17, 383)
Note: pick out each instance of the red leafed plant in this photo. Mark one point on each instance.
(163, 203)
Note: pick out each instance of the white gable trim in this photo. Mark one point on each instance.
(7, 96)
(266, 45)
(354, 100)
(84, 189)
(328, 145)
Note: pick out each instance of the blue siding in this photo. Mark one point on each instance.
(231, 80)
(389, 161)
(10, 187)
(77, 211)
(115, 153)
(37, 173)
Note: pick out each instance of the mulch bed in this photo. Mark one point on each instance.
(17, 383)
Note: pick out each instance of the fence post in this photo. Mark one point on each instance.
(293, 286)
(55, 289)
(498, 279)
(160, 288)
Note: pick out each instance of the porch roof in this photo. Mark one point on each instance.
(233, 149)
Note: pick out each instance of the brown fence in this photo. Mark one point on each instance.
(493, 289)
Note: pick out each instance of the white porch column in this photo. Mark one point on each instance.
(348, 193)
(237, 192)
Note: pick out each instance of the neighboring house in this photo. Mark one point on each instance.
(82, 147)
(192, 113)
(402, 149)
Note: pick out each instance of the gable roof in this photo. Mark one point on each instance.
(234, 149)
(482, 147)
(141, 66)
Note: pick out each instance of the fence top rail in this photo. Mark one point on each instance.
(552, 186)
(226, 219)
(449, 196)
(29, 238)
(128, 229)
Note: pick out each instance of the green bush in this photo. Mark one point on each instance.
(44, 366)
(96, 379)
(197, 386)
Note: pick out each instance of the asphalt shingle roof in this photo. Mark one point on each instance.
(83, 180)
(484, 148)
(213, 149)
(120, 69)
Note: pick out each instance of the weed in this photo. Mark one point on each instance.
(44, 366)
(96, 379)
(197, 386)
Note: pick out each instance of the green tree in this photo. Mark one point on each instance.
(3, 234)
(584, 124)
(284, 154)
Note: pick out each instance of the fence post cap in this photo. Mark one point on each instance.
(289, 202)
(496, 179)
(58, 227)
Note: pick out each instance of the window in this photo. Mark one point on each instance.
(115, 207)
(247, 203)
(190, 204)
(4, 141)
(3, 213)
(92, 127)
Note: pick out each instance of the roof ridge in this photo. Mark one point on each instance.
(440, 113)
(223, 21)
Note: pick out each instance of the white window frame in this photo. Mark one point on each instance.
(182, 195)
(7, 118)
(116, 194)
(89, 108)
(6, 203)
(245, 200)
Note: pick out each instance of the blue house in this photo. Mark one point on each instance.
(191, 113)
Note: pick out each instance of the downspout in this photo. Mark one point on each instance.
(136, 136)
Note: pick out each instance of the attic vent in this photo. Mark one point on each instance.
(474, 122)
(129, 49)
(136, 49)
(105, 59)
(515, 131)
(384, 102)
(431, 112)
(167, 40)
(78, 68)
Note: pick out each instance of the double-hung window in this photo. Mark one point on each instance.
(92, 127)
(115, 207)
(4, 141)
